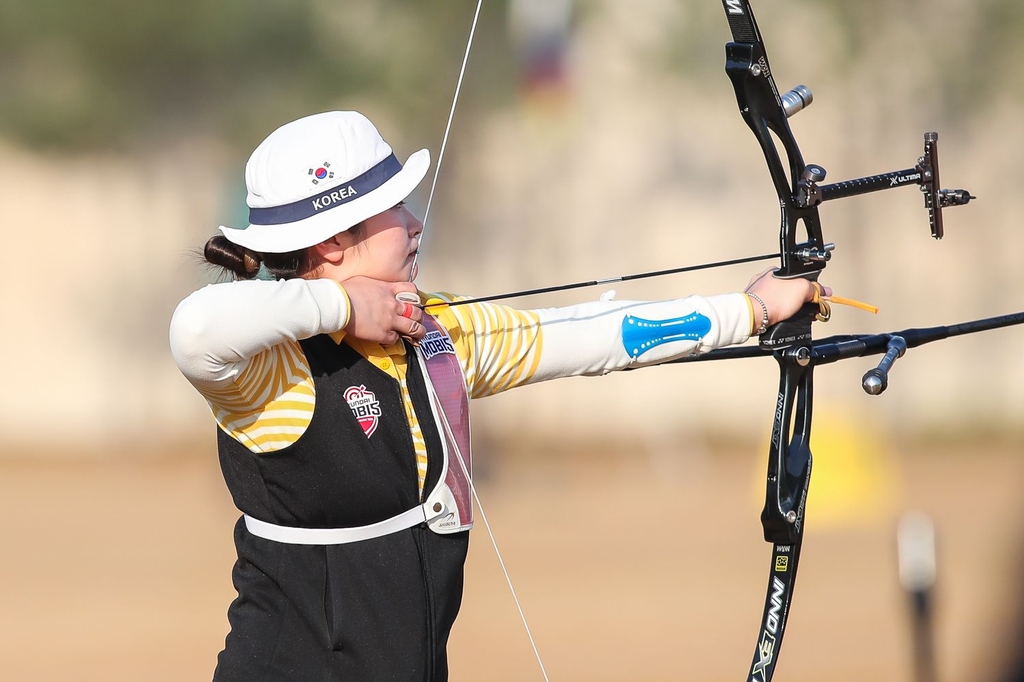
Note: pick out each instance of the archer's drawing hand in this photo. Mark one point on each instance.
(783, 297)
(377, 314)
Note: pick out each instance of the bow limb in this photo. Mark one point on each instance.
(766, 113)
(789, 460)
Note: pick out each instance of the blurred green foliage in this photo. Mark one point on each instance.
(116, 73)
(121, 73)
(965, 41)
(955, 47)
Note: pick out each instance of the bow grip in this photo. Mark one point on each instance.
(797, 329)
(794, 331)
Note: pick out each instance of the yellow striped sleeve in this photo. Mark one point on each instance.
(270, 404)
(500, 347)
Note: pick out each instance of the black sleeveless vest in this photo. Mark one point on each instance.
(379, 609)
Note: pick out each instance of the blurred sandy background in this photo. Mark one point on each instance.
(592, 139)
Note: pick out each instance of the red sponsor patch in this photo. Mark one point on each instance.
(365, 407)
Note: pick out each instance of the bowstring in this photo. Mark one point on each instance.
(508, 578)
(447, 131)
(462, 463)
(483, 515)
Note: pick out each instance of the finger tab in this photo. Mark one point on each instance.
(407, 297)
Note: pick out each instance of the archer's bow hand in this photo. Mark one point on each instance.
(774, 299)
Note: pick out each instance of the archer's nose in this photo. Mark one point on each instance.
(415, 225)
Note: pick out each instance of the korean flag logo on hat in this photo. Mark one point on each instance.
(321, 172)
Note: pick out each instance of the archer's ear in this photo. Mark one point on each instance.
(331, 250)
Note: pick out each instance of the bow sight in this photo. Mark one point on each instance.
(925, 174)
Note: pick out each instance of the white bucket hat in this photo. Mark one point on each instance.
(318, 176)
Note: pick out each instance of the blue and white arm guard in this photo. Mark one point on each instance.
(604, 336)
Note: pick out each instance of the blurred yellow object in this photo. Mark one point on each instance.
(854, 482)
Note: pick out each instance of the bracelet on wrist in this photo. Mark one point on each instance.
(763, 327)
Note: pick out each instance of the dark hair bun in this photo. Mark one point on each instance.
(241, 262)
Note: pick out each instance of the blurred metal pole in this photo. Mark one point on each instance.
(916, 549)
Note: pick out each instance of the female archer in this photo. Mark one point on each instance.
(341, 396)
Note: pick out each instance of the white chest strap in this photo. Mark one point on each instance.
(424, 513)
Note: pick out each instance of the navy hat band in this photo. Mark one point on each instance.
(328, 199)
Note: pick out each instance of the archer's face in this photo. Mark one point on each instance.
(385, 248)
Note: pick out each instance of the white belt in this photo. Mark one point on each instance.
(423, 513)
